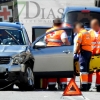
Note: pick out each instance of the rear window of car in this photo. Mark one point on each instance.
(78, 16)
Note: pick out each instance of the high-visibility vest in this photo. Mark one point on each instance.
(54, 38)
(95, 42)
(84, 38)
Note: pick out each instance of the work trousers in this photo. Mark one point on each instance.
(53, 81)
(84, 60)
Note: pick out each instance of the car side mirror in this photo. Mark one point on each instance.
(40, 44)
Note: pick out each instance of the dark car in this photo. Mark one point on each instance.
(72, 15)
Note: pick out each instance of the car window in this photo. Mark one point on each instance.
(74, 16)
(11, 36)
(36, 32)
(54, 39)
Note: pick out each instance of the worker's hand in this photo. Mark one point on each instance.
(75, 56)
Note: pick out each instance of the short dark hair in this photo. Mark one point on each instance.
(57, 21)
(81, 25)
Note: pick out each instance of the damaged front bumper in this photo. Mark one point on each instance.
(11, 72)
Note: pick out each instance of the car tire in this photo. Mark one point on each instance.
(28, 79)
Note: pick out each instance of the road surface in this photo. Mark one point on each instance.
(47, 95)
(44, 18)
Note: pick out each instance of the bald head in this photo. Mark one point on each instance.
(95, 24)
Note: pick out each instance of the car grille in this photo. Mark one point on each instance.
(4, 60)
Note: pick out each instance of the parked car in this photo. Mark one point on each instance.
(72, 15)
(22, 62)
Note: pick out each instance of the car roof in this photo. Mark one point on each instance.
(41, 27)
(95, 9)
(50, 27)
(9, 24)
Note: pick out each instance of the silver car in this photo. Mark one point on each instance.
(21, 62)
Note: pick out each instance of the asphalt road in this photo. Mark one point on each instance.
(47, 95)
(42, 19)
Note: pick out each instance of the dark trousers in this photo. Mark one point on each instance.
(84, 60)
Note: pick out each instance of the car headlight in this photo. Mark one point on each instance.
(18, 59)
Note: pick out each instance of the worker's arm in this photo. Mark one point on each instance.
(64, 39)
(78, 44)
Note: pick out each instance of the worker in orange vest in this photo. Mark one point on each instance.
(95, 34)
(56, 38)
(83, 48)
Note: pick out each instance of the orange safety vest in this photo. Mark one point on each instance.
(95, 42)
(85, 39)
(54, 38)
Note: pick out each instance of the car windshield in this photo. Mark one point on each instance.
(11, 36)
(84, 17)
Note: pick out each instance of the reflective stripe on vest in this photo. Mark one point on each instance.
(83, 72)
(95, 42)
(98, 46)
(93, 47)
(51, 83)
(54, 40)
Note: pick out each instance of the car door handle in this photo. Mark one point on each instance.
(66, 51)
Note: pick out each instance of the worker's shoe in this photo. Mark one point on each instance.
(98, 88)
(62, 86)
(52, 88)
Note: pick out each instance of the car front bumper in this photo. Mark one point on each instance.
(11, 72)
(11, 68)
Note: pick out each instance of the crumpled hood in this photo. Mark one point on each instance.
(9, 50)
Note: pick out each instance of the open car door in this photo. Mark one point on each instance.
(53, 61)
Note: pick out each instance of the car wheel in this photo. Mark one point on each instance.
(28, 82)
